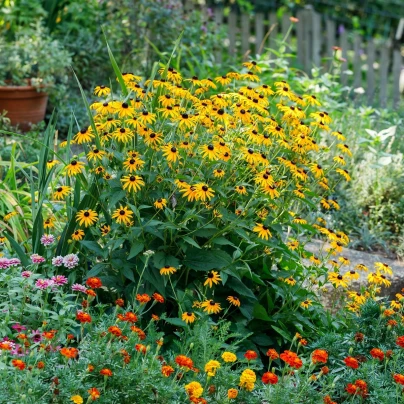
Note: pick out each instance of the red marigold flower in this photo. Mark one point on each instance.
(269, 377)
(158, 298)
(325, 370)
(49, 334)
(106, 372)
(130, 317)
(40, 365)
(400, 341)
(70, 336)
(184, 361)
(351, 388)
(91, 292)
(167, 370)
(377, 353)
(155, 317)
(328, 400)
(399, 378)
(389, 353)
(140, 333)
(303, 341)
(119, 302)
(319, 356)
(114, 330)
(94, 283)
(94, 393)
(144, 298)
(83, 317)
(250, 355)
(18, 363)
(392, 323)
(272, 354)
(90, 368)
(351, 362)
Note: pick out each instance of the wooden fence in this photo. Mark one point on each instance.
(372, 65)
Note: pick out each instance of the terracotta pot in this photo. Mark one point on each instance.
(24, 105)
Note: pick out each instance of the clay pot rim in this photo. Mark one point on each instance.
(20, 88)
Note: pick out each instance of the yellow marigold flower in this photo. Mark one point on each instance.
(232, 393)
(213, 278)
(211, 367)
(247, 379)
(229, 357)
(194, 389)
(77, 399)
(87, 217)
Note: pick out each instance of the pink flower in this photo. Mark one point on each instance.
(37, 259)
(6, 263)
(59, 280)
(79, 288)
(57, 261)
(70, 261)
(26, 274)
(47, 239)
(18, 327)
(43, 283)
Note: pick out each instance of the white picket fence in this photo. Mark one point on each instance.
(369, 64)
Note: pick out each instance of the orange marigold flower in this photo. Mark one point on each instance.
(359, 337)
(90, 292)
(250, 355)
(90, 368)
(351, 362)
(155, 317)
(144, 298)
(325, 370)
(40, 365)
(350, 388)
(114, 330)
(83, 317)
(18, 363)
(184, 361)
(319, 356)
(399, 378)
(167, 370)
(49, 334)
(69, 353)
(389, 353)
(291, 359)
(94, 393)
(400, 341)
(141, 348)
(106, 372)
(94, 283)
(130, 317)
(269, 377)
(377, 353)
(232, 393)
(303, 341)
(140, 333)
(158, 297)
(119, 302)
(392, 323)
(328, 400)
(272, 354)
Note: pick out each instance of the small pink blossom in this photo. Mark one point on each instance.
(26, 274)
(70, 261)
(6, 263)
(43, 283)
(79, 288)
(59, 280)
(18, 327)
(47, 239)
(37, 259)
(57, 261)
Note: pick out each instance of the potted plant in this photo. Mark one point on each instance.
(32, 67)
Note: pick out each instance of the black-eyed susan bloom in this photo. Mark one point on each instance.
(123, 215)
(87, 217)
(241, 189)
(338, 280)
(84, 136)
(344, 173)
(203, 192)
(160, 203)
(290, 281)
(61, 192)
(101, 91)
(211, 307)
(213, 278)
(96, 154)
(171, 153)
(189, 317)
(168, 270)
(262, 231)
(306, 303)
(49, 223)
(210, 152)
(132, 183)
(78, 235)
(233, 300)
(132, 164)
(74, 168)
(51, 163)
(105, 229)
(381, 266)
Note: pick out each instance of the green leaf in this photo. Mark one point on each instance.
(191, 241)
(162, 259)
(176, 321)
(260, 313)
(96, 270)
(136, 248)
(19, 251)
(240, 287)
(128, 273)
(282, 332)
(93, 246)
(205, 260)
(222, 241)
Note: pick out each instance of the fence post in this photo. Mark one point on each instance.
(384, 71)
(218, 13)
(357, 61)
(330, 30)
(307, 40)
(259, 31)
(371, 71)
(232, 32)
(300, 37)
(245, 35)
(273, 23)
(344, 52)
(316, 27)
(397, 63)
